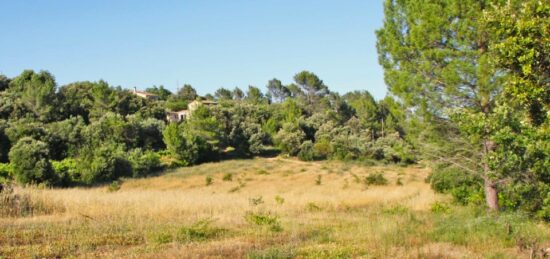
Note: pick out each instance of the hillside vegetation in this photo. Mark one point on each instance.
(264, 208)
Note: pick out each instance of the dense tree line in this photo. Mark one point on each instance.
(91, 132)
(475, 73)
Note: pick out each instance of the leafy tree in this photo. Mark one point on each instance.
(4, 82)
(5, 143)
(188, 93)
(311, 85)
(31, 163)
(277, 90)
(36, 91)
(223, 94)
(435, 57)
(255, 95)
(519, 47)
(106, 162)
(238, 94)
(160, 91)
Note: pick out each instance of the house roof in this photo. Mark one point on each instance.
(144, 93)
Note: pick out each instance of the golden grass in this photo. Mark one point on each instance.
(340, 217)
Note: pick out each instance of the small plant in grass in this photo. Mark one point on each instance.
(312, 207)
(375, 179)
(318, 180)
(303, 170)
(228, 177)
(264, 220)
(440, 207)
(114, 186)
(200, 231)
(256, 201)
(209, 180)
(161, 238)
(279, 200)
(399, 182)
(356, 178)
(263, 172)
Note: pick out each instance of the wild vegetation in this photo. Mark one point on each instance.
(283, 213)
(298, 170)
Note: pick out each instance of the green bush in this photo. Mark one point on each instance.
(464, 187)
(306, 151)
(200, 231)
(375, 179)
(104, 164)
(264, 220)
(144, 163)
(6, 171)
(67, 171)
(31, 163)
(228, 177)
(209, 180)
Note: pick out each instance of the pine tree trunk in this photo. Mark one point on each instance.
(491, 191)
(491, 195)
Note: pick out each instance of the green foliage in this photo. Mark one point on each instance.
(289, 138)
(114, 186)
(272, 222)
(144, 162)
(6, 172)
(200, 231)
(106, 163)
(209, 180)
(31, 163)
(375, 179)
(67, 171)
(465, 188)
(440, 207)
(227, 177)
(306, 151)
(279, 200)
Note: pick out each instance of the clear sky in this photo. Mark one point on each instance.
(206, 43)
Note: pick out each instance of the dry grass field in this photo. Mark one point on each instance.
(264, 208)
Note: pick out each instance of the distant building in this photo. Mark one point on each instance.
(178, 116)
(145, 95)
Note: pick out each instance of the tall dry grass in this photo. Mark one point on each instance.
(336, 215)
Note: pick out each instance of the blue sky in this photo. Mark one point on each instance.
(206, 43)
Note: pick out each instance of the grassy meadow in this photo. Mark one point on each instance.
(263, 208)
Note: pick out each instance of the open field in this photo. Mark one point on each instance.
(265, 208)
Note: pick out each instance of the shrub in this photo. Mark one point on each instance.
(439, 207)
(289, 138)
(66, 170)
(161, 238)
(209, 180)
(144, 163)
(103, 164)
(264, 220)
(228, 177)
(6, 171)
(375, 179)
(31, 163)
(306, 151)
(114, 186)
(318, 180)
(464, 187)
(200, 231)
(279, 200)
